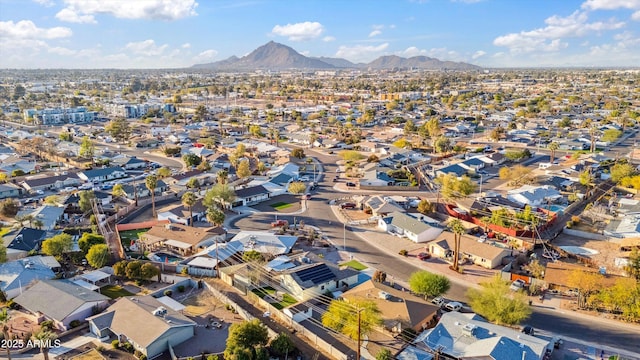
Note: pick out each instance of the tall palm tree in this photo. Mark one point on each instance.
(222, 176)
(44, 337)
(216, 217)
(552, 148)
(38, 224)
(189, 199)
(4, 322)
(152, 183)
(458, 229)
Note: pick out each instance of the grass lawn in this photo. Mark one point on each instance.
(127, 236)
(114, 291)
(286, 298)
(281, 205)
(354, 265)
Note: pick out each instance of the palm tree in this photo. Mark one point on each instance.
(458, 229)
(4, 321)
(552, 148)
(222, 176)
(152, 182)
(592, 133)
(38, 224)
(215, 216)
(118, 190)
(45, 338)
(189, 199)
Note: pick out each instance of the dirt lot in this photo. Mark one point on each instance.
(607, 251)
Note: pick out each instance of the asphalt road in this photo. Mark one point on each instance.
(320, 215)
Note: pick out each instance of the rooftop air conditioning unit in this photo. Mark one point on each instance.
(469, 330)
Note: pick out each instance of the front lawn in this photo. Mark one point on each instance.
(269, 291)
(281, 205)
(115, 291)
(354, 265)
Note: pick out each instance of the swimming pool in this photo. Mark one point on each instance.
(557, 208)
(165, 258)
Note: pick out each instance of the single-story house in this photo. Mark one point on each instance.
(251, 195)
(102, 175)
(381, 207)
(61, 301)
(9, 190)
(468, 336)
(457, 170)
(17, 275)
(179, 238)
(49, 215)
(46, 182)
(534, 195)
(180, 214)
(310, 280)
(399, 310)
(483, 254)
(24, 240)
(163, 326)
(141, 189)
(128, 162)
(410, 227)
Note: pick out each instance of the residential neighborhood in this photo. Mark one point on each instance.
(375, 200)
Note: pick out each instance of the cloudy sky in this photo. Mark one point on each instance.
(180, 33)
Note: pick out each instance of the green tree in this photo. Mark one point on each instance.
(442, 144)
(244, 339)
(244, 169)
(148, 271)
(611, 135)
(118, 190)
(282, 345)
(193, 183)
(252, 256)
(220, 195)
(497, 303)
(120, 268)
(384, 354)
(57, 245)
(428, 284)
(3, 254)
(191, 160)
(119, 129)
(163, 172)
(458, 229)
(215, 216)
(409, 127)
(425, 207)
(86, 200)
(553, 147)
(298, 153)
(98, 255)
(453, 188)
(620, 171)
(297, 187)
(45, 339)
(633, 266)
(350, 155)
(9, 207)
(151, 182)
(189, 199)
(87, 148)
(586, 282)
(65, 136)
(342, 316)
(87, 240)
(5, 319)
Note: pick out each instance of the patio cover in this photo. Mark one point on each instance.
(95, 276)
(177, 244)
(170, 303)
(203, 262)
(84, 284)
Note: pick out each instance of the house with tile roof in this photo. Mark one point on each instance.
(178, 238)
(17, 275)
(61, 301)
(404, 225)
(163, 326)
(480, 253)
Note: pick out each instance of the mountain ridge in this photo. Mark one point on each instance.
(276, 56)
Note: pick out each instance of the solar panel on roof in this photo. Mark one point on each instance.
(317, 274)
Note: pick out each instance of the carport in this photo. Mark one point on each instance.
(95, 277)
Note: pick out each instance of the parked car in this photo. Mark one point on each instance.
(440, 301)
(351, 184)
(527, 329)
(517, 285)
(279, 223)
(347, 205)
(424, 256)
(453, 306)
(304, 178)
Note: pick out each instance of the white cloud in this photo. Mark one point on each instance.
(47, 3)
(328, 38)
(305, 52)
(186, 46)
(636, 16)
(361, 53)
(478, 54)
(375, 33)
(300, 31)
(62, 51)
(413, 51)
(26, 29)
(146, 48)
(611, 4)
(549, 38)
(126, 9)
(205, 56)
(69, 15)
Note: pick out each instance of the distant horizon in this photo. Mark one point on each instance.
(177, 34)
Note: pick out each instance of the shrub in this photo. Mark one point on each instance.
(115, 344)
(575, 219)
(128, 347)
(47, 325)
(168, 293)
(403, 252)
(569, 224)
(142, 357)
(100, 348)
(181, 288)
(74, 323)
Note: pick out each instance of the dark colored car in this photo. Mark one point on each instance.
(351, 184)
(348, 206)
(424, 256)
(527, 329)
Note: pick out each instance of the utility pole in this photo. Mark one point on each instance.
(358, 350)
(344, 237)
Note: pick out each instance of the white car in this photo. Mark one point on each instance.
(517, 285)
(438, 301)
(453, 306)
(304, 178)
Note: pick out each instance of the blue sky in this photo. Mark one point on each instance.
(180, 33)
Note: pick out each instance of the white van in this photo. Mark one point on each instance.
(544, 165)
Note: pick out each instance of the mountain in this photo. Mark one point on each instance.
(275, 56)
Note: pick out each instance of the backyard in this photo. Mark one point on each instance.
(128, 236)
(114, 291)
(270, 295)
